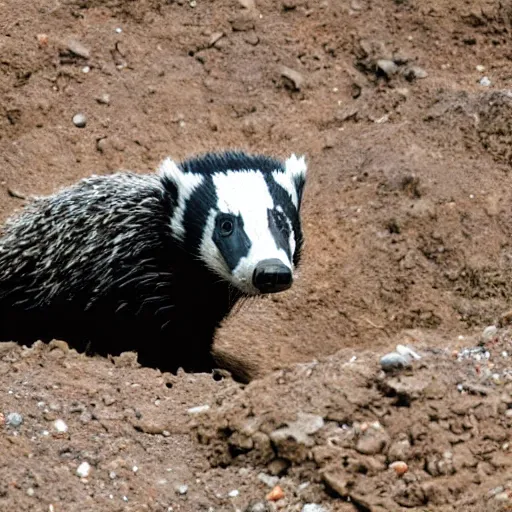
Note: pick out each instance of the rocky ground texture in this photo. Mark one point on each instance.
(404, 111)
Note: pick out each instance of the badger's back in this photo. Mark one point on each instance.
(95, 265)
(62, 254)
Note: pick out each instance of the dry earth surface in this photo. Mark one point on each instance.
(404, 110)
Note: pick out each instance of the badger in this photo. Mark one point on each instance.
(152, 263)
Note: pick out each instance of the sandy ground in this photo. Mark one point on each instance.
(403, 109)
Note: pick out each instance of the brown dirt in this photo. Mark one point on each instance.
(408, 239)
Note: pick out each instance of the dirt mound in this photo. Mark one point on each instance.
(346, 423)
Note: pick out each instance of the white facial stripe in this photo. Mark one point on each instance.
(245, 193)
(283, 178)
(209, 251)
(185, 183)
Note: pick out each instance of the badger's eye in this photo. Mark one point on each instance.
(226, 226)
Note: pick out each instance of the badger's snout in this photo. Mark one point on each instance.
(272, 276)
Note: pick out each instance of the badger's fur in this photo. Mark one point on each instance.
(152, 263)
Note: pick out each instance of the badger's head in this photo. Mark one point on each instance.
(240, 215)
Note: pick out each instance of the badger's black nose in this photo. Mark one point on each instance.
(272, 276)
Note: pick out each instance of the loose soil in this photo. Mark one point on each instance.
(408, 235)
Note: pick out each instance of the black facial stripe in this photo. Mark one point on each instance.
(197, 211)
(280, 230)
(282, 198)
(235, 246)
(171, 188)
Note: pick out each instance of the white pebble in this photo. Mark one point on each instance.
(270, 481)
(135, 469)
(407, 352)
(485, 81)
(79, 120)
(393, 361)
(60, 426)
(112, 475)
(119, 30)
(480, 68)
(313, 507)
(86, 69)
(183, 489)
(198, 409)
(234, 493)
(30, 491)
(83, 470)
(14, 419)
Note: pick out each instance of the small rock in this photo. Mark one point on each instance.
(393, 361)
(247, 4)
(102, 144)
(414, 72)
(234, 493)
(59, 344)
(275, 494)
(251, 38)
(258, 506)
(399, 450)
(83, 470)
(489, 333)
(480, 68)
(199, 409)
(388, 67)
(104, 99)
(373, 441)
(407, 352)
(313, 507)
(108, 400)
(289, 5)
(277, 466)
(485, 82)
(293, 79)
(79, 120)
(42, 39)
(78, 48)
(502, 496)
(271, 481)
(399, 467)
(216, 36)
(14, 419)
(182, 489)
(30, 491)
(243, 23)
(60, 426)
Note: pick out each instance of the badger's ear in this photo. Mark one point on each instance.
(296, 169)
(180, 183)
